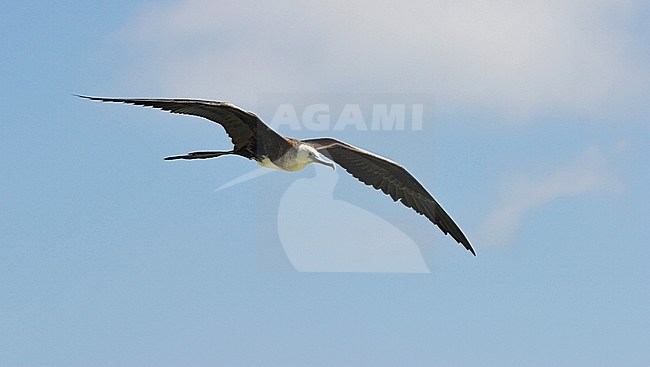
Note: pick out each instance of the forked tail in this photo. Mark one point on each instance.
(198, 155)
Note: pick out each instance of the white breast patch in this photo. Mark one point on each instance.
(266, 162)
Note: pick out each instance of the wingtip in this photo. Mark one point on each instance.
(86, 97)
(100, 99)
(468, 247)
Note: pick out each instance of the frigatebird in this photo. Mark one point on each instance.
(254, 140)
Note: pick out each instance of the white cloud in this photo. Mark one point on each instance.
(522, 194)
(517, 58)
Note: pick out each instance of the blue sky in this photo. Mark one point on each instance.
(534, 139)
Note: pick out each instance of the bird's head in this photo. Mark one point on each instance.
(309, 154)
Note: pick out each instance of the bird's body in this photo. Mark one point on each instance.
(254, 140)
(295, 158)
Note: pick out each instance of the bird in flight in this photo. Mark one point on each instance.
(254, 140)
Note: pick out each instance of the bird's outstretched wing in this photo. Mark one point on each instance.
(391, 178)
(243, 127)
